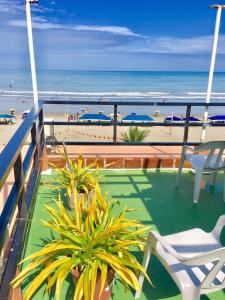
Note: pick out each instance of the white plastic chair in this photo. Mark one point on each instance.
(210, 163)
(194, 259)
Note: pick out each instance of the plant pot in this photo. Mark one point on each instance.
(107, 291)
(79, 196)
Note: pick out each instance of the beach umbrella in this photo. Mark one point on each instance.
(217, 118)
(31, 49)
(133, 117)
(192, 119)
(172, 119)
(112, 115)
(26, 112)
(212, 65)
(94, 117)
(7, 116)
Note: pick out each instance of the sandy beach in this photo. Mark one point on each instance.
(105, 133)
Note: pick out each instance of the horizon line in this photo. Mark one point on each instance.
(86, 70)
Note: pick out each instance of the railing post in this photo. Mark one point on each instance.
(43, 152)
(19, 176)
(34, 134)
(36, 142)
(115, 124)
(187, 120)
(41, 122)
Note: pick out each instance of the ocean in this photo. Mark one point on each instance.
(16, 88)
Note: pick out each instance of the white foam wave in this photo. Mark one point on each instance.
(111, 95)
(100, 94)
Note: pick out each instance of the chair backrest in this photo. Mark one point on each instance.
(215, 152)
(215, 278)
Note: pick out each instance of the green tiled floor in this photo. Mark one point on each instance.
(160, 206)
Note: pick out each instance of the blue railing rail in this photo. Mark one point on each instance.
(26, 173)
(115, 123)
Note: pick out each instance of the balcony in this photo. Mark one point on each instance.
(151, 191)
(160, 206)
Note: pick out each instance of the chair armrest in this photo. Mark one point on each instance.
(189, 148)
(200, 148)
(201, 259)
(219, 227)
(205, 258)
(155, 237)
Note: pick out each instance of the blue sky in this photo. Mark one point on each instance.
(112, 35)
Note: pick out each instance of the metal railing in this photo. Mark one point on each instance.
(115, 123)
(26, 174)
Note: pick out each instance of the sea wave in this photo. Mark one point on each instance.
(204, 93)
(110, 95)
(53, 93)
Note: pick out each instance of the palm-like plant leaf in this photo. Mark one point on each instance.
(75, 176)
(95, 244)
(134, 135)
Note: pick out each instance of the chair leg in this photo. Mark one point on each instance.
(197, 187)
(147, 256)
(191, 293)
(224, 188)
(179, 171)
(213, 179)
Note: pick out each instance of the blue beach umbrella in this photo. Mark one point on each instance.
(217, 118)
(173, 119)
(192, 119)
(133, 117)
(94, 117)
(7, 116)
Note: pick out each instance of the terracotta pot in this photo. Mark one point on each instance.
(80, 195)
(107, 291)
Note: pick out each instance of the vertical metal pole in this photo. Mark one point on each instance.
(31, 51)
(41, 123)
(34, 134)
(115, 124)
(37, 143)
(19, 177)
(186, 128)
(211, 71)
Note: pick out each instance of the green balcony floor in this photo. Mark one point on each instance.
(160, 206)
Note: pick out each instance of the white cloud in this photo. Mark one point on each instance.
(109, 29)
(16, 7)
(4, 9)
(42, 24)
(37, 23)
(179, 45)
(139, 43)
(96, 40)
(172, 45)
(11, 6)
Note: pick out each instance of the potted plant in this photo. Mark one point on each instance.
(75, 176)
(92, 244)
